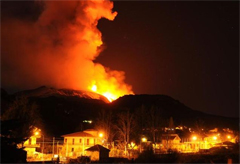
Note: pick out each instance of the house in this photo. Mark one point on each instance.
(76, 143)
(171, 141)
(30, 146)
(98, 153)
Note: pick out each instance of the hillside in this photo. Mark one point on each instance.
(170, 107)
(63, 110)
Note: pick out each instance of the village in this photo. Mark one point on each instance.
(92, 145)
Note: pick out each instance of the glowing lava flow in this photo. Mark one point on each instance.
(106, 94)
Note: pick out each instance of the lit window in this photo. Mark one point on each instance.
(66, 140)
(80, 140)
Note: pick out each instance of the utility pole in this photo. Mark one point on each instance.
(53, 146)
(43, 147)
(57, 147)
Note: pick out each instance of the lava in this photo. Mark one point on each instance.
(59, 49)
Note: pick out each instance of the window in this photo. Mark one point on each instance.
(80, 140)
(72, 149)
(73, 141)
(30, 141)
(87, 141)
(65, 140)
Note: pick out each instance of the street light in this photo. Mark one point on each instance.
(194, 138)
(132, 144)
(36, 134)
(100, 135)
(144, 139)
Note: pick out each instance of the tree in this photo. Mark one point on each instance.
(140, 114)
(9, 143)
(104, 122)
(153, 121)
(199, 127)
(26, 113)
(149, 120)
(124, 126)
(171, 126)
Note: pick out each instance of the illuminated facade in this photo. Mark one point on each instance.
(171, 141)
(75, 144)
(30, 146)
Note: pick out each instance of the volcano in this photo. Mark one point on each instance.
(43, 92)
(63, 110)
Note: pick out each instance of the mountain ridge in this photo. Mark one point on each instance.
(63, 110)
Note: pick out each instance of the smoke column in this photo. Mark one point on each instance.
(58, 49)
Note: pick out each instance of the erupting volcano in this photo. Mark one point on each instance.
(58, 49)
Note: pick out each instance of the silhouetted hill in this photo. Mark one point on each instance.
(170, 107)
(63, 110)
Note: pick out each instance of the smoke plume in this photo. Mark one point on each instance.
(58, 49)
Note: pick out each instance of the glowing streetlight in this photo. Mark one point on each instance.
(214, 137)
(36, 133)
(144, 139)
(194, 138)
(229, 137)
(100, 135)
(132, 144)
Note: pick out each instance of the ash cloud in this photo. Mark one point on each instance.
(54, 43)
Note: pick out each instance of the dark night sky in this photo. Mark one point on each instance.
(187, 50)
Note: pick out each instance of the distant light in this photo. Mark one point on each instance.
(229, 137)
(100, 135)
(215, 138)
(36, 133)
(87, 121)
(194, 138)
(55, 156)
(132, 144)
(144, 139)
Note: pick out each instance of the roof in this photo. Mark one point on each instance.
(170, 137)
(78, 134)
(97, 148)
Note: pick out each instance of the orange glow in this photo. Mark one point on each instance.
(100, 135)
(110, 91)
(94, 88)
(229, 137)
(144, 139)
(215, 138)
(132, 144)
(65, 53)
(194, 138)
